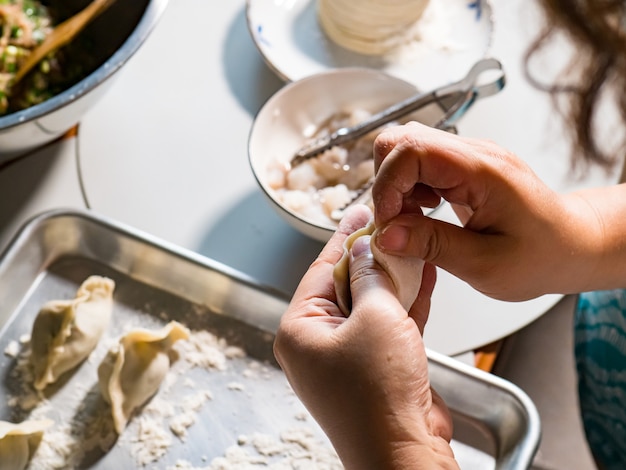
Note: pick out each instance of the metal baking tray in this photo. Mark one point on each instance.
(247, 409)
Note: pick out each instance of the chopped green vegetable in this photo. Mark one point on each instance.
(24, 29)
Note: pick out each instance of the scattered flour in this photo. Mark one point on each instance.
(238, 386)
(296, 448)
(191, 406)
(165, 419)
(12, 349)
(152, 440)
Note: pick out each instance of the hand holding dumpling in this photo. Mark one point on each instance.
(354, 373)
(519, 238)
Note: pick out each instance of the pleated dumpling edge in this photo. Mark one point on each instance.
(133, 369)
(65, 332)
(405, 272)
(19, 441)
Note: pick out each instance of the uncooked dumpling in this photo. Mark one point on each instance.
(18, 442)
(65, 332)
(405, 272)
(133, 369)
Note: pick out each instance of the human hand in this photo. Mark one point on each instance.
(364, 378)
(519, 238)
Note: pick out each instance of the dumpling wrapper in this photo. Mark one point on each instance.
(405, 272)
(65, 332)
(133, 369)
(18, 442)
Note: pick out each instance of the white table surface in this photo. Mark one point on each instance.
(165, 152)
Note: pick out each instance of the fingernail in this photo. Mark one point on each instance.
(393, 238)
(361, 246)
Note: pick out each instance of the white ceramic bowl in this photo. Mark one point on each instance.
(117, 34)
(281, 125)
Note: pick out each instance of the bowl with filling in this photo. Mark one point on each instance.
(56, 93)
(311, 195)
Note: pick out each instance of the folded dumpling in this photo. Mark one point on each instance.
(133, 369)
(18, 442)
(405, 272)
(65, 332)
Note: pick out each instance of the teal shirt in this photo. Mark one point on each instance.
(600, 350)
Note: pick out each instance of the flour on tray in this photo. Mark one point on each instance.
(168, 418)
(296, 448)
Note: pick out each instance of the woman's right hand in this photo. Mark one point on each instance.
(519, 239)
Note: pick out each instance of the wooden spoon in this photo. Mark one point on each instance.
(61, 35)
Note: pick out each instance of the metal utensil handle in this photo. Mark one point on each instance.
(389, 114)
(364, 193)
(457, 90)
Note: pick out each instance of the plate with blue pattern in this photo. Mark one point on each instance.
(454, 34)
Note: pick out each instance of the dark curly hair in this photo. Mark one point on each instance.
(597, 29)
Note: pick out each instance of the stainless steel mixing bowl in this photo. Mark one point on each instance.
(114, 37)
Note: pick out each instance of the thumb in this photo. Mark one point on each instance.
(458, 250)
(370, 284)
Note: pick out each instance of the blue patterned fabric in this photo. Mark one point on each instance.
(600, 350)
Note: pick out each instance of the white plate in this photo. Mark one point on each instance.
(456, 34)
